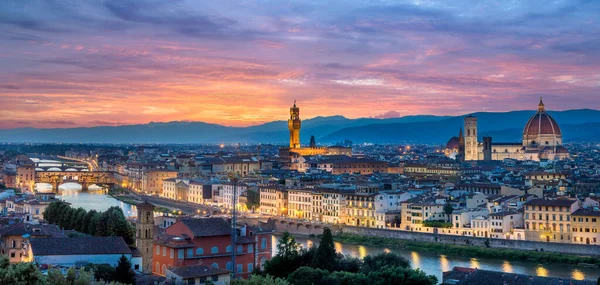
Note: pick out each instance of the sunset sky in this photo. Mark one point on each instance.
(68, 63)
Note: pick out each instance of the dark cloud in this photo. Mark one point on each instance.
(388, 115)
(58, 122)
(10, 86)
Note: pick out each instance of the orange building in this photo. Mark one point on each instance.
(208, 242)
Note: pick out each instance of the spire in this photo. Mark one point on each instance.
(460, 134)
(541, 108)
(294, 103)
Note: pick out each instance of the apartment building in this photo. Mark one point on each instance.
(549, 220)
(334, 203)
(274, 200)
(585, 225)
(228, 195)
(360, 210)
(300, 202)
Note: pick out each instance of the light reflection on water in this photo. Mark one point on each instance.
(93, 199)
(435, 264)
(430, 263)
(507, 267)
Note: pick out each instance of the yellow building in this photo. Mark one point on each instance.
(273, 200)
(152, 179)
(294, 125)
(300, 202)
(549, 220)
(360, 210)
(585, 225)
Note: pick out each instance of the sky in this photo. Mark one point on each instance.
(73, 63)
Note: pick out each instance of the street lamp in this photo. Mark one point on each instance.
(233, 177)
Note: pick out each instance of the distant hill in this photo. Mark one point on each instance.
(502, 127)
(576, 124)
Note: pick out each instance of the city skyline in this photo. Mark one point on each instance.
(132, 62)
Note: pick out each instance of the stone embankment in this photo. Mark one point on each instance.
(303, 228)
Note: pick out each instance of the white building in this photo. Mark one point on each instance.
(72, 251)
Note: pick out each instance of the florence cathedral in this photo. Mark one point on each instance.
(542, 140)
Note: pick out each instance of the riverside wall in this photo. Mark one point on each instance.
(299, 228)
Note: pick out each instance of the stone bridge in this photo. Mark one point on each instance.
(83, 178)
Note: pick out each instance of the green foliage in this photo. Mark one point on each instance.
(55, 277)
(287, 259)
(112, 222)
(325, 257)
(348, 264)
(467, 250)
(123, 271)
(253, 199)
(375, 262)
(349, 278)
(20, 273)
(308, 275)
(259, 280)
(2, 186)
(104, 272)
(448, 209)
(399, 275)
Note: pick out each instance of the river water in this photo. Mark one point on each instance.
(433, 264)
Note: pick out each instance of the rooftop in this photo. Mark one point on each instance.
(79, 246)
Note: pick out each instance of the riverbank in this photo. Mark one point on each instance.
(133, 201)
(469, 250)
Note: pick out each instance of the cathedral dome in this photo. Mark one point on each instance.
(541, 124)
(453, 143)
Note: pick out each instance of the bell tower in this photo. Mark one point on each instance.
(294, 124)
(471, 145)
(144, 234)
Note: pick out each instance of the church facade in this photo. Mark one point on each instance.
(542, 140)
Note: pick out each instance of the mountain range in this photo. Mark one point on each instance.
(576, 125)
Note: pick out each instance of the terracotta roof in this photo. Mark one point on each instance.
(207, 227)
(546, 202)
(586, 212)
(79, 246)
(541, 124)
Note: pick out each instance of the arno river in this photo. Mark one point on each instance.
(433, 264)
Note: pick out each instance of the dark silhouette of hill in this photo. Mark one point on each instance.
(576, 124)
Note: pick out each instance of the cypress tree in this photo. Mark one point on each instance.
(123, 271)
(325, 257)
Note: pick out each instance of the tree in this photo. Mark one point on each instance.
(287, 259)
(348, 278)
(55, 277)
(287, 247)
(104, 272)
(79, 220)
(375, 262)
(20, 273)
(123, 271)
(2, 186)
(348, 264)
(325, 257)
(308, 275)
(448, 209)
(401, 276)
(259, 280)
(89, 223)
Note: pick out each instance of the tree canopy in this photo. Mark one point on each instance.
(322, 265)
(111, 222)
